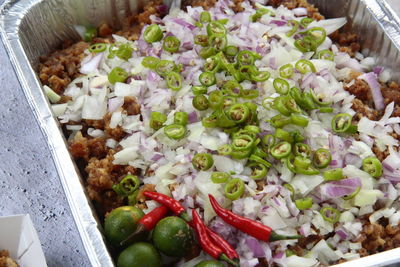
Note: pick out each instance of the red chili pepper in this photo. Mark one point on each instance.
(169, 202)
(147, 222)
(223, 244)
(206, 243)
(250, 227)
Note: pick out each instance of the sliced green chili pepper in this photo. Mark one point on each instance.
(211, 121)
(290, 188)
(200, 102)
(171, 44)
(299, 120)
(260, 12)
(245, 72)
(304, 66)
(301, 162)
(216, 99)
(373, 166)
(341, 123)
(128, 185)
(219, 42)
(295, 26)
(250, 93)
(307, 171)
(302, 150)
(318, 34)
(117, 74)
(181, 118)
(245, 57)
(205, 17)
(279, 121)
(281, 150)
(258, 170)
(202, 40)
(242, 142)
(212, 64)
(330, 214)
(216, 28)
(283, 135)
(326, 110)
(239, 113)
(268, 140)
(207, 52)
(124, 52)
(207, 78)
(198, 24)
(224, 121)
(174, 81)
(202, 161)
(259, 76)
(281, 86)
(231, 50)
(304, 203)
(259, 152)
(258, 159)
(153, 33)
(220, 177)
(289, 161)
(199, 90)
(307, 102)
(90, 33)
(333, 175)
(150, 62)
(326, 54)
(132, 198)
(223, 21)
(225, 150)
(297, 136)
(234, 189)
(280, 105)
(291, 105)
(306, 21)
(252, 129)
(175, 131)
(321, 158)
(318, 99)
(157, 120)
(97, 48)
(232, 88)
(307, 44)
(164, 67)
(240, 154)
(352, 195)
(286, 71)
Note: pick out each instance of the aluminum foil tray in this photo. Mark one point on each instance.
(31, 28)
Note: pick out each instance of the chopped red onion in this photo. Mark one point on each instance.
(115, 103)
(373, 83)
(342, 234)
(184, 23)
(255, 247)
(377, 70)
(278, 22)
(92, 64)
(341, 188)
(193, 117)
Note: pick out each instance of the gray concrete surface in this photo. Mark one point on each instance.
(28, 179)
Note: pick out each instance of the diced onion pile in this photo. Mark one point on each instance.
(93, 96)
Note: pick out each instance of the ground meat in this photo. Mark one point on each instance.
(391, 93)
(378, 237)
(131, 106)
(85, 147)
(6, 260)
(363, 110)
(361, 90)
(116, 133)
(59, 68)
(348, 41)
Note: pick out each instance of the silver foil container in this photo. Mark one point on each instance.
(31, 28)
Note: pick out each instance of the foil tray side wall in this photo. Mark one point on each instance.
(32, 28)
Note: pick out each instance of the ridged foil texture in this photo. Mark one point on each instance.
(32, 28)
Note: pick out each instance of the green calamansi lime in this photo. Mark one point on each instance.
(121, 223)
(139, 255)
(209, 264)
(172, 236)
